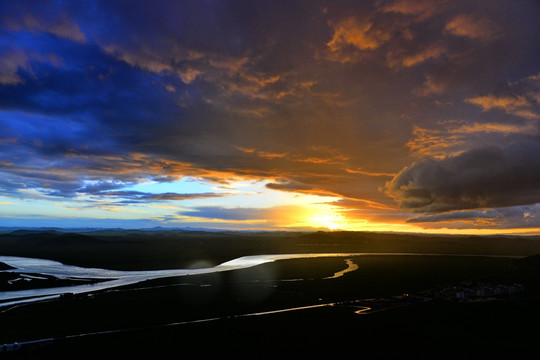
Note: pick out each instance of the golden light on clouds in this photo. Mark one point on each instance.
(394, 115)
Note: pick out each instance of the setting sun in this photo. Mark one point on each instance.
(332, 222)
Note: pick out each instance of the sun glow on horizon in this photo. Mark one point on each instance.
(331, 222)
(326, 216)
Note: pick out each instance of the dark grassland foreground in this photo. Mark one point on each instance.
(440, 329)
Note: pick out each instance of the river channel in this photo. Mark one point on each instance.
(114, 278)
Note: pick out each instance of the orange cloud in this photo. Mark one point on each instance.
(431, 52)
(356, 34)
(326, 160)
(245, 150)
(357, 204)
(467, 26)
(513, 105)
(189, 75)
(330, 157)
(493, 128)
(271, 155)
(455, 135)
(504, 102)
(369, 173)
(433, 143)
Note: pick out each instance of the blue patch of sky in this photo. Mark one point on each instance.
(186, 185)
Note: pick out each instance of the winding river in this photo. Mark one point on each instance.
(115, 278)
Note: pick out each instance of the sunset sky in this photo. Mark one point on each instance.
(402, 115)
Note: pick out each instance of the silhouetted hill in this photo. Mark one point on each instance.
(24, 232)
(5, 266)
(144, 249)
(50, 237)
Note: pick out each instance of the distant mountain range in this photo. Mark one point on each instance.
(90, 229)
(7, 229)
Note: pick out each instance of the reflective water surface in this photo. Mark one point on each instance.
(114, 278)
(351, 266)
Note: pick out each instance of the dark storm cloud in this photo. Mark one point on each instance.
(479, 178)
(466, 215)
(499, 218)
(288, 185)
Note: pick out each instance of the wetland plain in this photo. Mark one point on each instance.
(281, 291)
